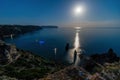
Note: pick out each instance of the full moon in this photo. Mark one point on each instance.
(78, 10)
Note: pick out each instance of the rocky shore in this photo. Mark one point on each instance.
(19, 64)
(16, 64)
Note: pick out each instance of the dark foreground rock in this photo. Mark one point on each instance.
(20, 64)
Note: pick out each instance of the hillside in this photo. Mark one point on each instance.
(16, 64)
(24, 65)
(110, 72)
(8, 30)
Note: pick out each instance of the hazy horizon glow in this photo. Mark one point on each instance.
(58, 12)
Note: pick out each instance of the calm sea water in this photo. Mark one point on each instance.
(44, 41)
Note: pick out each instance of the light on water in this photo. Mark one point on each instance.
(76, 43)
(44, 41)
(77, 46)
(73, 53)
(55, 50)
(41, 42)
(78, 28)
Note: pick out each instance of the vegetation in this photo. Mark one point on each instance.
(7, 30)
(98, 60)
(28, 66)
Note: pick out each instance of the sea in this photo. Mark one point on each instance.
(50, 43)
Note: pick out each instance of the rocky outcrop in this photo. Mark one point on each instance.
(8, 52)
(109, 57)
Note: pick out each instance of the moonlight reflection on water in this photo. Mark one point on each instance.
(71, 52)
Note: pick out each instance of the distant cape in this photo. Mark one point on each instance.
(49, 26)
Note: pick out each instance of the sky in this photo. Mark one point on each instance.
(60, 12)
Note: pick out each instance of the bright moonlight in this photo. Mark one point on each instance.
(78, 10)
